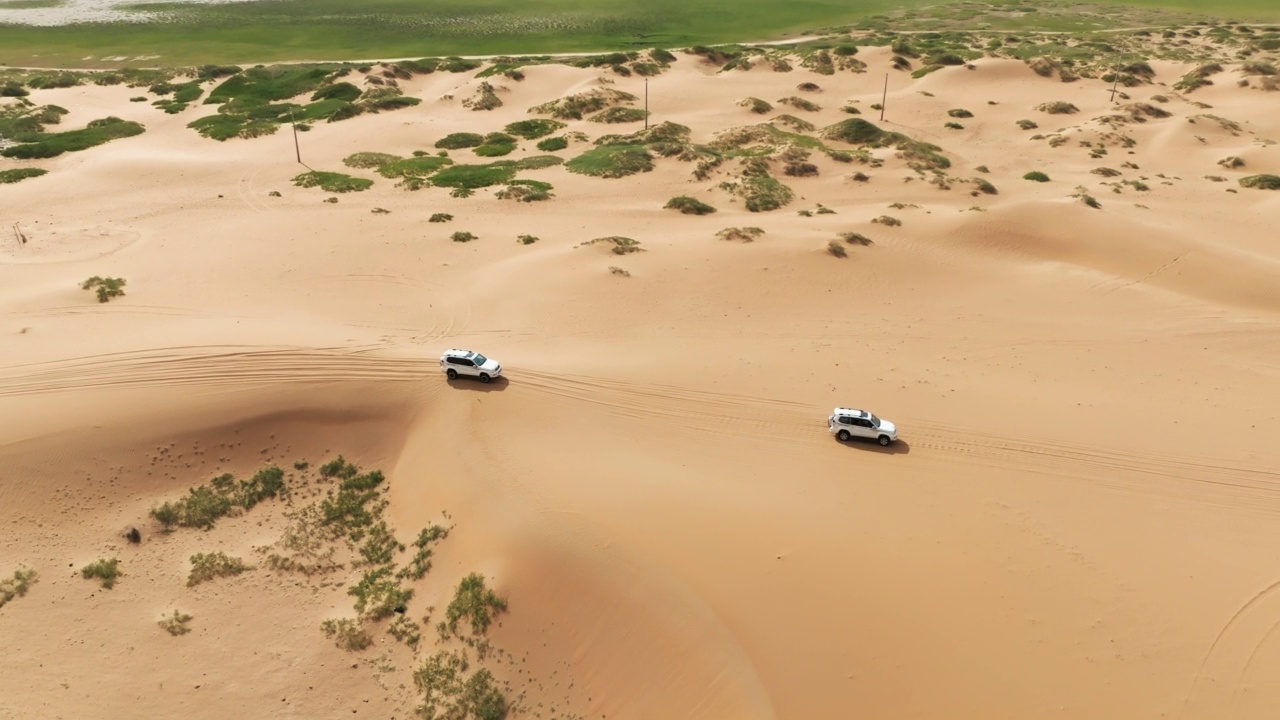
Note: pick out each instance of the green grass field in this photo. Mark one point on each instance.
(279, 30)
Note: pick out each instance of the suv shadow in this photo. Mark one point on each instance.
(898, 447)
(497, 384)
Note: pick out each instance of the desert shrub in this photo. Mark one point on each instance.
(209, 566)
(496, 144)
(485, 98)
(688, 205)
(954, 126)
(1231, 162)
(1197, 78)
(379, 594)
(526, 191)
(368, 160)
(619, 115)
(537, 162)
(337, 91)
(460, 140)
(16, 586)
(835, 248)
(176, 624)
(534, 129)
(801, 104)
(756, 105)
(16, 174)
(620, 245)
(463, 236)
(985, 186)
(575, 107)
(615, 270)
(763, 193)
(740, 234)
(347, 634)
(960, 113)
(1261, 182)
(887, 220)
(105, 571)
(527, 239)
(1105, 171)
(471, 177)
(47, 145)
(204, 505)
(612, 161)
(332, 181)
(476, 603)
(800, 169)
(854, 238)
(106, 288)
(1058, 108)
(1036, 176)
(440, 217)
(553, 144)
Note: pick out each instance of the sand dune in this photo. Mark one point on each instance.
(1078, 521)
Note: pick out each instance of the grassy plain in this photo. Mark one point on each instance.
(332, 29)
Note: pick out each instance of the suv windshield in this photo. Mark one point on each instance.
(874, 420)
(479, 359)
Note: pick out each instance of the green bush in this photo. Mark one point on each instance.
(106, 571)
(347, 634)
(176, 624)
(960, 113)
(1036, 176)
(1027, 124)
(463, 236)
(526, 191)
(209, 566)
(835, 248)
(47, 145)
(534, 129)
(440, 217)
(553, 144)
(474, 602)
(495, 145)
(17, 586)
(460, 140)
(619, 115)
(612, 161)
(16, 174)
(470, 177)
(1058, 108)
(689, 206)
(204, 505)
(106, 288)
(379, 595)
(756, 105)
(1261, 182)
(338, 91)
(332, 182)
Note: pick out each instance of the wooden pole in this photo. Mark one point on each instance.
(296, 150)
(646, 103)
(884, 99)
(1116, 81)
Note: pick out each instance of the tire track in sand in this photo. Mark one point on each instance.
(207, 366)
(1220, 680)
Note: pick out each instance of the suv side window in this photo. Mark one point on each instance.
(465, 362)
(451, 360)
(846, 420)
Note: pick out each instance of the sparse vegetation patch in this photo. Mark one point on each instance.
(203, 506)
(332, 181)
(17, 585)
(1261, 182)
(105, 288)
(612, 161)
(176, 624)
(689, 205)
(106, 571)
(210, 566)
(14, 175)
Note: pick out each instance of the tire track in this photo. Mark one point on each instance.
(1219, 680)
(225, 366)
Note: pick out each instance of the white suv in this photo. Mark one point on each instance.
(466, 363)
(847, 423)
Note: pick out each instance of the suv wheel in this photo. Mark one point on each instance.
(484, 377)
(453, 374)
(843, 436)
(884, 440)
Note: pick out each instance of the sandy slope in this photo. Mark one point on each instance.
(1078, 522)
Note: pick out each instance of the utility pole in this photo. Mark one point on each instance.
(1116, 78)
(646, 103)
(884, 99)
(296, 150)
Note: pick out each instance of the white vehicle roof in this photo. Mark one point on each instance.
(454, 352)
(851, 411)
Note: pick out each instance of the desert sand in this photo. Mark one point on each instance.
(1079, 521)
